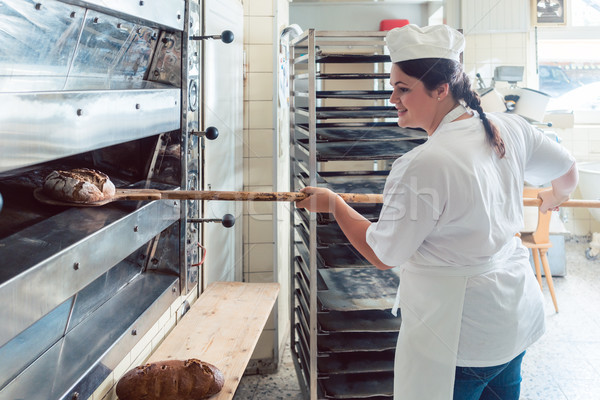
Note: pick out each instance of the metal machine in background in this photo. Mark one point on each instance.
(119, 87)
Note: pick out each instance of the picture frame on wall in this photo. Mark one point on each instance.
(549, 12)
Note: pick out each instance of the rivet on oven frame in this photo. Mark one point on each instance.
(75, 396)
(136, 228)
(73, 14)
(38, 6)
(79, 112)
(96, 20)
(134, 332)
(76, 266)
(138, 106)
(141, 2)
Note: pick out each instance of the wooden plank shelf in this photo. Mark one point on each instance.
(222, 328)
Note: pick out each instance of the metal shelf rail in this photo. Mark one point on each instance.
(343, 335)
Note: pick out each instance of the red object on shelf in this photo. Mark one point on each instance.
(389, 24)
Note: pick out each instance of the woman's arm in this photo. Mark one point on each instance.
(351, 222)
(562, 187)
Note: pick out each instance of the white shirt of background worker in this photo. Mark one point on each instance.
(469, 300)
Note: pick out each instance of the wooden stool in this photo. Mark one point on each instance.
(539, 243)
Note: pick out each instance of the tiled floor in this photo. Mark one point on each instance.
(563, 365)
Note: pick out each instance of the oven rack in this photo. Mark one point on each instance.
(343, 334)
(359, 131)
(343, 134)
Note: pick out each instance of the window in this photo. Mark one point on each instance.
(569, 62)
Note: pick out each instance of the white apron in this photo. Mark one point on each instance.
(431, 299)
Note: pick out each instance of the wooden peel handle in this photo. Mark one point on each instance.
(529, 202)
(261, 196)
(146, 194)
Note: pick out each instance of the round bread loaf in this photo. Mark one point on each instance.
(173, 379)
(80, 185)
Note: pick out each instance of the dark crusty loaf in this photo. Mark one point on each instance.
(169, 380)
(81, 185)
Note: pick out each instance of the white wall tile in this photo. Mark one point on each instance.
(260, 277)
(260, 58)
(260, 86)
(260, 30)
(260, 171)
(111, 395)
(260, 230)
(122, 367)
(260, 257)
(264, 346)
(258, 209)
(260, 143)
(104, 387)
(261, 8)
(260, 115)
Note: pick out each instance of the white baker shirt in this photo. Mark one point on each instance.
(453, 202)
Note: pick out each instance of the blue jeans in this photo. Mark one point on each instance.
(501, 382)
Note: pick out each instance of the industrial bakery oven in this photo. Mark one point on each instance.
(117, 86)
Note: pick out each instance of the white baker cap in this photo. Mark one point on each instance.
(412, 42)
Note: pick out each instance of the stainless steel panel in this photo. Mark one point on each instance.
(32, 342)
(61, 371)
(112, 49)
(166, 65)
(161, 13)
(51, 261)
(37, 43)
(191, 164)
(39, 127)
(90, 298)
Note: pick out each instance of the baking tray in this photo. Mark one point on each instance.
(352, 289)
(363, 131)
(361, 151)
(358, 321)
(354, 94)
(353, 112)
(357, 362)
(341, 256)
(350, 75)
(359, 386)
(352, 58)
(341, 342)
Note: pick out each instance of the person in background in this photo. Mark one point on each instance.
(452, 207)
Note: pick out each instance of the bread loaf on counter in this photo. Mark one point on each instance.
(169, 380)
(81, 185)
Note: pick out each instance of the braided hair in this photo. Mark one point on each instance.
(434, 72)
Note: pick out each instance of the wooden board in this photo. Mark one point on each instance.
(222, 328)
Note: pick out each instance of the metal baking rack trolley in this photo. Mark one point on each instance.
(344, 136)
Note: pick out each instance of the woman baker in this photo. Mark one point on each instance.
(452, 207)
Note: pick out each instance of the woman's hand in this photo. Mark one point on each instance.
(319, 200)
(550, 201)
(562, 187)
